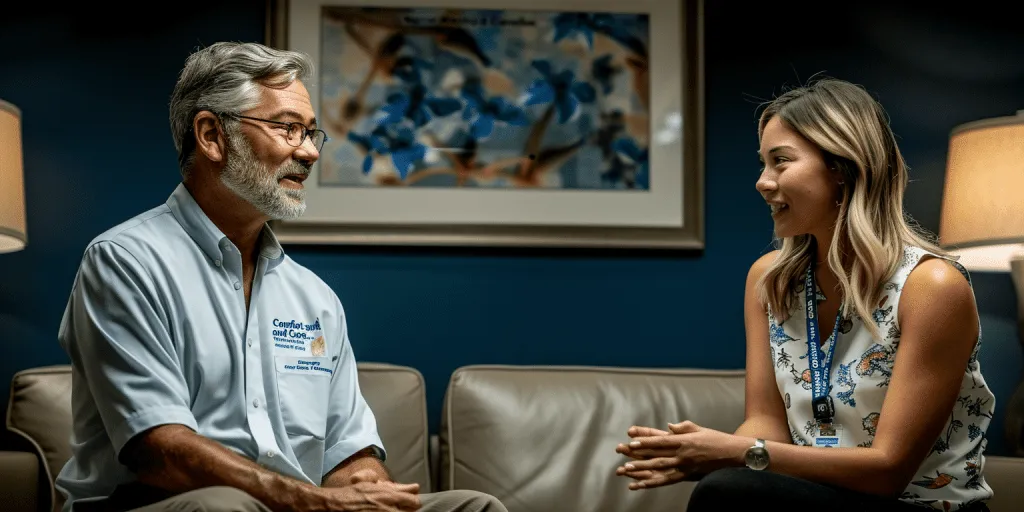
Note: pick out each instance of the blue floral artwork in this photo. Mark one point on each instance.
(484, 98)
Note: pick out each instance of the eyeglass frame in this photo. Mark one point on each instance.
(306, 131)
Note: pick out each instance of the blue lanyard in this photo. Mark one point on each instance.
(821, 365)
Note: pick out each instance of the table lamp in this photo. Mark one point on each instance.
(12, 184)
(983, 217)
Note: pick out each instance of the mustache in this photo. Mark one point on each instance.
(295, 169)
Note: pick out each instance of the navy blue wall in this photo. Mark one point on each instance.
(94, 85)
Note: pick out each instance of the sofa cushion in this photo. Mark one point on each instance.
(398, 398)
(543, 438)
(1004, 475)
(19, 486)
(40, 410)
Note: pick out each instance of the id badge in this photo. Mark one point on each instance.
(829, 435)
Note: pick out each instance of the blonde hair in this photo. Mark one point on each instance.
(853, 133)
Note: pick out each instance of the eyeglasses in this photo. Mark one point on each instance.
(297, 132)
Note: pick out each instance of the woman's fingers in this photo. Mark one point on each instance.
(659, 479)
(637, 431)
(655, 463)
(635, 475)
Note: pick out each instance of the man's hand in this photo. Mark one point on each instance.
(366, 475)
(176, 459)
(362, 483)
(377, 496)
(364, 463)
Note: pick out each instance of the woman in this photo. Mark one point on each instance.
(904, 408)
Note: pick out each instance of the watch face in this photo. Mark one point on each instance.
(757, 458)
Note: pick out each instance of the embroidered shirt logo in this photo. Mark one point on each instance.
(293, 335)
(318, 347)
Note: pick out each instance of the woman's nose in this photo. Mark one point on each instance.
(765, 184)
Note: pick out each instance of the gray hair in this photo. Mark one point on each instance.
(224, 78)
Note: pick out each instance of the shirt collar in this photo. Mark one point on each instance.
(271, 249)
(208, 236)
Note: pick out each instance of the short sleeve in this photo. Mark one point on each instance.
(351, 425)
(116, 333)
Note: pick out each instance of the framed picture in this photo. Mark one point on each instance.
(577, 123)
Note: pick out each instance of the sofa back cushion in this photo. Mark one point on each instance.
(40, 411)
(543, 438)
(397, 396)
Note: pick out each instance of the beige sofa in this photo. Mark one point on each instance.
(539, 438)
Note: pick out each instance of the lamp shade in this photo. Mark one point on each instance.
(983, 200)
(12, 184)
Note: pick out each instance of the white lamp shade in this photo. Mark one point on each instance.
(13, 235)
(983, 201)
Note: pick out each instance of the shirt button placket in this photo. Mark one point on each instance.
(259, 414)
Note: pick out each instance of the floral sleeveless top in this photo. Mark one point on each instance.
(950, 478)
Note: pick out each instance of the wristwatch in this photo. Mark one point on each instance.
(756, 456)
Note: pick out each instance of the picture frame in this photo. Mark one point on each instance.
(648, 194)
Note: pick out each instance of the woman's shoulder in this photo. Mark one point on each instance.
(935, 277)
(754, 275)
(933, 271)
(758, 268)
(954, 316)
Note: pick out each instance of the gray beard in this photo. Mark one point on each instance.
(258, 185)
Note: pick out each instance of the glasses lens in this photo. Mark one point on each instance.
(319, 137)
(295, 133)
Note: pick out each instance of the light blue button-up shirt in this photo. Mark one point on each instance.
(158, 333)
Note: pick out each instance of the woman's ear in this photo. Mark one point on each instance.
(210, 140)
(840, 170)
(840, 178)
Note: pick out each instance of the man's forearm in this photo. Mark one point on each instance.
(175, 458)
(363, 460)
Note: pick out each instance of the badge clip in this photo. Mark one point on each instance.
(824, 409)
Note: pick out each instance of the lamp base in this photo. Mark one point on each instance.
(1015, 408)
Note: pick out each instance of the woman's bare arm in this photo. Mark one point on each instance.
(765, 413)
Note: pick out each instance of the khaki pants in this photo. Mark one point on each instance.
(228, 499)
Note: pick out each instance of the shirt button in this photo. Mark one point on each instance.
(256, 402)
(238, 285)
(249, 342)
(270, 455)
(216, 262)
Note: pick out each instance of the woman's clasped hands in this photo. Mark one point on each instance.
(686, 451)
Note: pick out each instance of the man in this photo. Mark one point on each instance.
(210, 371)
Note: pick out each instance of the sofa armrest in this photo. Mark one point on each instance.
(1004, 475)
(19, 481)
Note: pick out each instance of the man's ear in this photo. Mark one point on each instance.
(210, 140)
